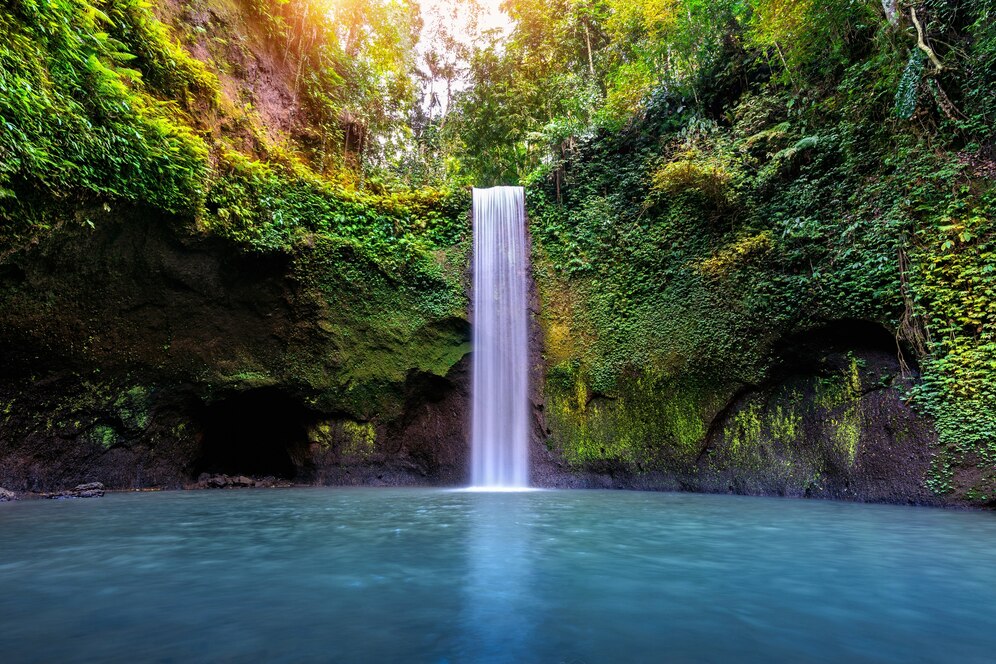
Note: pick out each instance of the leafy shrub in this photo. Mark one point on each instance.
(686, 174)
(79, 121)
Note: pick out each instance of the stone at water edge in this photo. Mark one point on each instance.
(222, 481)
(218, 481)
(7, 495)
(88, 490)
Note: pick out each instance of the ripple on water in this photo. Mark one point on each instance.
(435, 575)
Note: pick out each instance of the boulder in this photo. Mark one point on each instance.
(6, 495)
(218, 481)
(88, 490)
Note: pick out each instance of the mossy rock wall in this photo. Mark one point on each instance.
(119, 338)
(829, 421)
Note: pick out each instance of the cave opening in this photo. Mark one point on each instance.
(805, 351)
(258, 433)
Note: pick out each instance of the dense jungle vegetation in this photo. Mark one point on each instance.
(704, 177)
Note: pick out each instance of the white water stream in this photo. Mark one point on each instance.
(500, 407)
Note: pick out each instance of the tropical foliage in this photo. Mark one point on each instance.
(704, 176)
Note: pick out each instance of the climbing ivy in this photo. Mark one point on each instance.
(685, 244)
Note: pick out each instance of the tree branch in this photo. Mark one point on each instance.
(921, 42)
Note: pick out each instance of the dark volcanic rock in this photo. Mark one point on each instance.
(88, 490)
(222, 481)
(218, 482)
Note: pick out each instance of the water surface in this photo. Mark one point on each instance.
(372, 575)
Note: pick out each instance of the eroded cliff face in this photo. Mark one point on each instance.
(138, 353)
(830, 420)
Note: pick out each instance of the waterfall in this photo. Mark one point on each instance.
(500, 406)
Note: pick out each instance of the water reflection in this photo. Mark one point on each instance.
(497, 627)
(441, 576)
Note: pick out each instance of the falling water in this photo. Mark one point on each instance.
(500, 455)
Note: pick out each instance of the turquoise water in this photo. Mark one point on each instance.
(376, 575)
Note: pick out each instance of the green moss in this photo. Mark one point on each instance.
(840, 397)
(744, 433)
(349, 439)
(785, 424)
(104, 436)
(763, 437)
(251, 377)
(378, 326)
(132, 407)
(361, 437)
(648, 422)
(321, 434)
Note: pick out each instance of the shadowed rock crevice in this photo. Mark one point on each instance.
(806, 351)
(261, 432)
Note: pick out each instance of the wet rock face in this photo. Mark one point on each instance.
(427, 445)
(830, 420)
(840, 430)
(6, 495)
(140, 355)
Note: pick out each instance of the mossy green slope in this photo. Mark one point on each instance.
(136, 221)
(675, 256)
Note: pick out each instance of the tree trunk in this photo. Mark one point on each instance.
(891, 13)
(591, 60)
